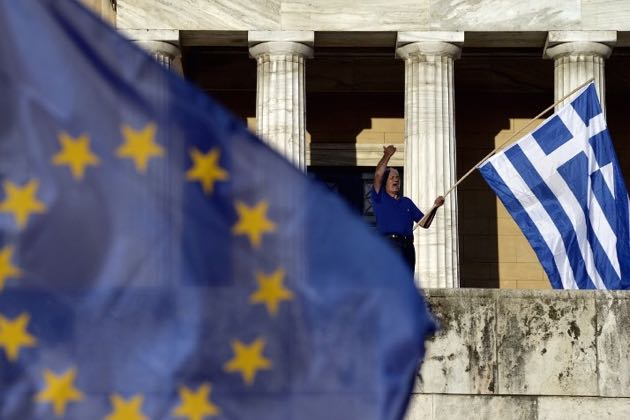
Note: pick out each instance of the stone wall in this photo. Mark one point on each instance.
(525, 354)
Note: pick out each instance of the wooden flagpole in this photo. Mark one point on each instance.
(425, 222)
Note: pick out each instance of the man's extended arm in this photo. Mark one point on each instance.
(382, 165)
(426, 221)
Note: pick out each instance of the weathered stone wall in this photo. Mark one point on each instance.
(526, 354)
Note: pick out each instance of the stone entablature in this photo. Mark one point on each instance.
(392, 15)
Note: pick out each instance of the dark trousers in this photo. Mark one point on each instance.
(406, 249)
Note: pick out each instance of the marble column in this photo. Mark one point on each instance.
(167, 54)
(430, 153)
(280, 91)
(106, 9)
(579, 56)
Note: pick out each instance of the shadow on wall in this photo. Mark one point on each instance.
(347, 135)
(350, 129)
(496, 92)
(493, 251)
(227, 74)
(617, 106)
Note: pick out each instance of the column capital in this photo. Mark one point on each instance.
(161, 48)
(410, 37)
(165, 53)
(560, 37)
(578, 48)
(432, 48)
(562, 43)
(303, 37)
(435, 43)
(281, 48)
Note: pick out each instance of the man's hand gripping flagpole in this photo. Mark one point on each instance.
(425, 222)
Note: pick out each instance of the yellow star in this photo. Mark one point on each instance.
(21, 201)
(13, 335)
(140, 146)
(7, 270)
(253, 221)
(206, 169)
(127, 410)
(248, 359)
(59, 390)
(271, 290)
(76, 154)
(195, 405)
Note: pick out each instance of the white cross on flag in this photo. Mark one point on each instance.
(563, 186)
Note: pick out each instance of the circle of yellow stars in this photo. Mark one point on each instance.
(139, 146)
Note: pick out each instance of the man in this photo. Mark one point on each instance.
(395, 214)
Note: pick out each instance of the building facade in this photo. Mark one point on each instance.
(329, 83)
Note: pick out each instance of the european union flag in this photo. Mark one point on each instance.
(159, 261)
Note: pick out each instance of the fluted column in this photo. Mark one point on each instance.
(430, 155)
(167, 54)
(280, 96)
(579, 56)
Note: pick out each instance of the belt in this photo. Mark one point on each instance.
(401, 238)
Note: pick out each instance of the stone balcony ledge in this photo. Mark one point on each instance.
(528, 342)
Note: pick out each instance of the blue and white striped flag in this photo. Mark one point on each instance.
(563, 186)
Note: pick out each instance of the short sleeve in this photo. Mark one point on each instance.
(375, 196)
(417, 214)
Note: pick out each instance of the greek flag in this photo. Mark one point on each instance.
(563, 186)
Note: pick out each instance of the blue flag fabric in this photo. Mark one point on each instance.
(563, 186)
(159, 261)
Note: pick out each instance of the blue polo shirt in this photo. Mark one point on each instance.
(394, 216)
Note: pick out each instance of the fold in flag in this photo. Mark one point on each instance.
(159, 261)
(563, 186)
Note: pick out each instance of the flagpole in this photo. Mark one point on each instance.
(428, 218)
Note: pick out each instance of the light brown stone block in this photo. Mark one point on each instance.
(542, 284)
(370, 136)
(517, 124)
(508, 284)
(388, 124)
(392, 137)
(502, 212)
(525, 252)
(520, 271)
(502, 136)
(507, 226)
(506, 247)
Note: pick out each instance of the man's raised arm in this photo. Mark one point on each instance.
(382, 165)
